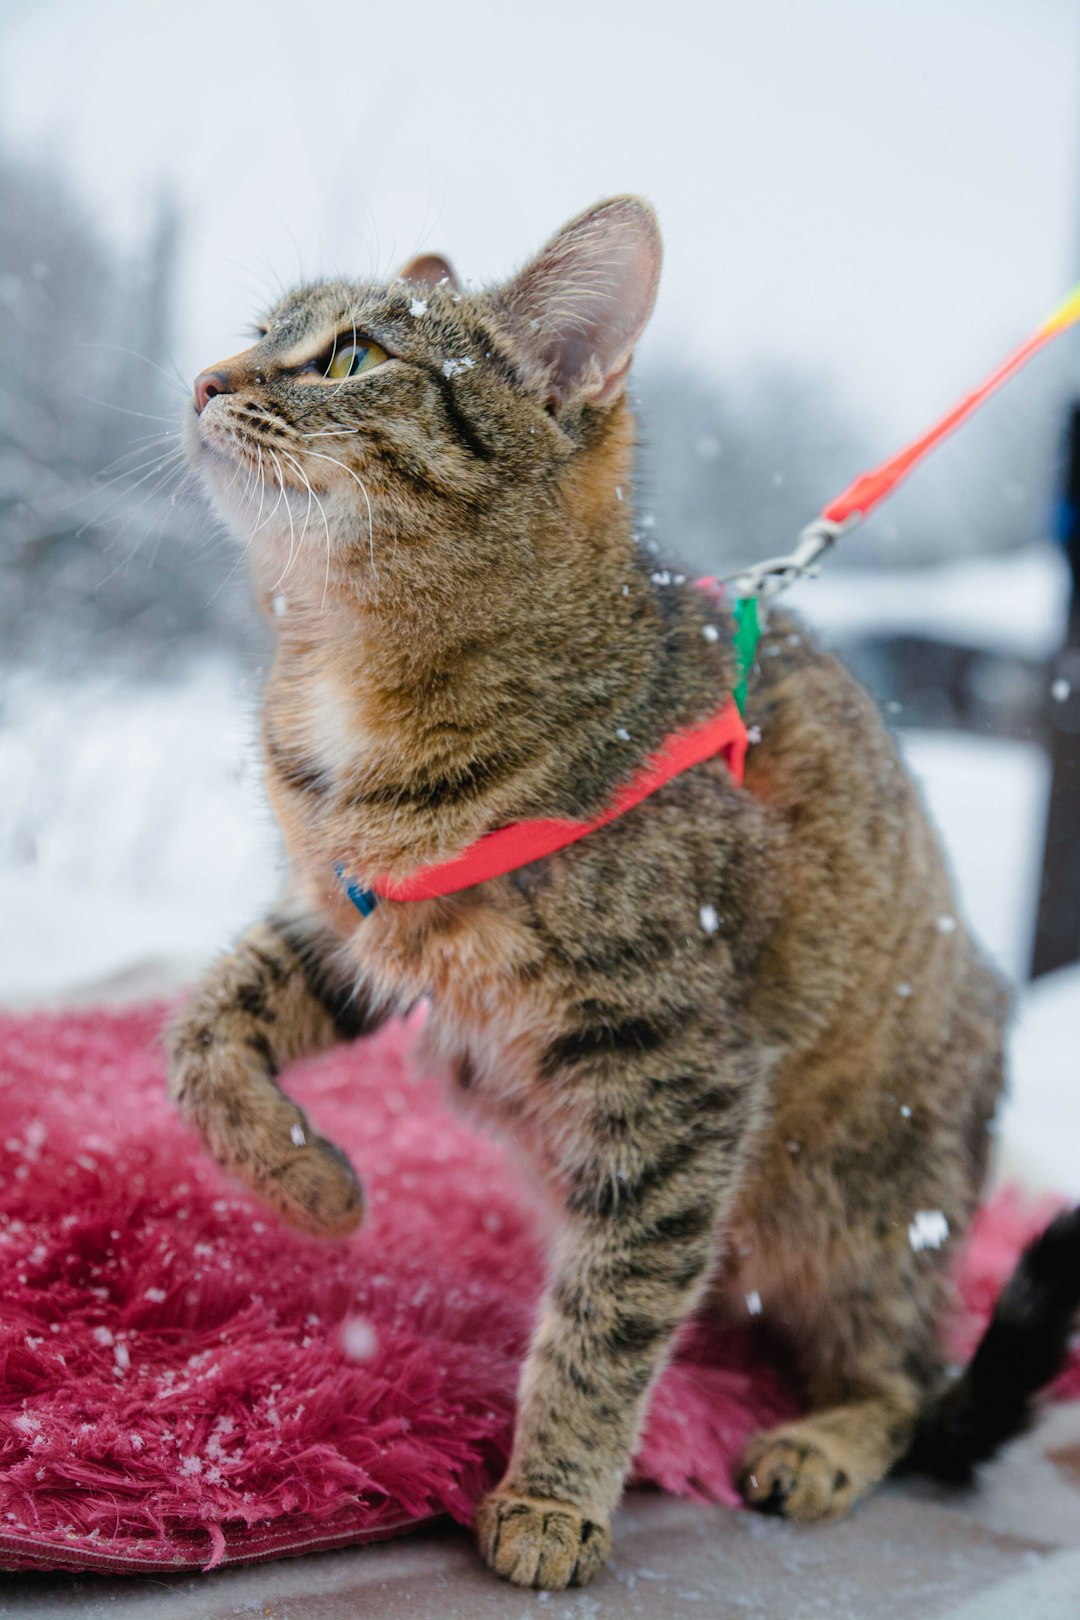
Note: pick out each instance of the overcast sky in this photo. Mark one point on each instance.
(883, 189)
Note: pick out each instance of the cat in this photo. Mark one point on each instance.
(738, 1032)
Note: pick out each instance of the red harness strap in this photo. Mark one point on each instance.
(507, 848)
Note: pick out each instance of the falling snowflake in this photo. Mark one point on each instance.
(928, 1230)
(709, 920)
(359, 1339)
(710, 632)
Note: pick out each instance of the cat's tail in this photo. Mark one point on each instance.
(1023, 1349)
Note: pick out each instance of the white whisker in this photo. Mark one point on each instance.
(288, 508)
(326, 525)
(320, 456)
(157, 465)
(108, 404)
(173, 382)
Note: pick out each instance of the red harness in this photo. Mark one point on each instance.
(507, 848)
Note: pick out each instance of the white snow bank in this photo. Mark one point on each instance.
(1015, 603)
(1040, 1122)
(987, 798)
(133, 828)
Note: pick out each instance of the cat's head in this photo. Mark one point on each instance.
(374, 423)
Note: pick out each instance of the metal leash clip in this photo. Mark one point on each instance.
(766, 579)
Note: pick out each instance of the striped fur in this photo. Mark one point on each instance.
(729, 1030)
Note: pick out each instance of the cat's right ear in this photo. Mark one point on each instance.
(431, 270)
(578, 310)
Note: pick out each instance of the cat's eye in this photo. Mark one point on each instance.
(354, 358)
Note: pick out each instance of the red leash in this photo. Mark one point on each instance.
(870, 488)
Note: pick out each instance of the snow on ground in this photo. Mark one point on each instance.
(1015, 603)
(135, 843)
(988, 800)
(133, 828)
(1040, 1123)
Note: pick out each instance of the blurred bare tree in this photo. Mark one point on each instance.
(103, 552)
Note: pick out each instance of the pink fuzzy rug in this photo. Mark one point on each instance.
(184, 1382)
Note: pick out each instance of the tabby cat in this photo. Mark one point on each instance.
(738, 1031)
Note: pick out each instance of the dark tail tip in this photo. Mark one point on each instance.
(1024, 1348)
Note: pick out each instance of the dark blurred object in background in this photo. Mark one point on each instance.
(1057, 927)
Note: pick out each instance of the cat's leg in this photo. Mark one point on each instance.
(871, 1360)
(856, 1235)
(652, 1176)
(282, 993)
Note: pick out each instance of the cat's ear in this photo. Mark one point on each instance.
(431, 269)
(578, 310)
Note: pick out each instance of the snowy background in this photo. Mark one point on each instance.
(865, 206)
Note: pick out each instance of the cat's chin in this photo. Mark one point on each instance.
(205, 451)
(223, 472)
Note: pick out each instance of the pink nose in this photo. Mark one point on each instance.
(207, 384)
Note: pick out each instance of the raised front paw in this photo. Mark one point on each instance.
(253, 1130)
(315, 1188)
(798, 1473)
(534, 1542)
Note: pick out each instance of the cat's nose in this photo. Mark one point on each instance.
(207, 384)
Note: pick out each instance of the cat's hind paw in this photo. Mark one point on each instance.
(796, 1474)
(533, 1542)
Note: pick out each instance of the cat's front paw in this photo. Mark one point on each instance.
(258, 1134)
(535, 1542)
(316, 1189)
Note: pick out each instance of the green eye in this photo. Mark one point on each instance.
(355, 358)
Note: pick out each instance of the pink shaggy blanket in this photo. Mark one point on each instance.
(184, 1382)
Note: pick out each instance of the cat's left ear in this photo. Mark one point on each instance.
(431, 269)
(578, 310)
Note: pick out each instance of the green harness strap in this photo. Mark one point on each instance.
(747, 635)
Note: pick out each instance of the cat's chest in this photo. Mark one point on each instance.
(327, 720)
(318, 741)
(492, 1009)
